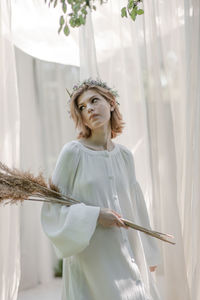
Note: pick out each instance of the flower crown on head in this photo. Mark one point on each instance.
(92, 82)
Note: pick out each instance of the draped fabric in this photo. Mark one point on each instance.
(44, 120)
(154, 64)
(42, 40)
(9, 154)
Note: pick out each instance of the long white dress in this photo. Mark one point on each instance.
(99, 262)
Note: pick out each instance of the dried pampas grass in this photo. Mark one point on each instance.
(17, 186)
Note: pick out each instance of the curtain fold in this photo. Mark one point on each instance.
(36, 33)
(149, 69)
(9, 154)
(189, 200)
(45, 127)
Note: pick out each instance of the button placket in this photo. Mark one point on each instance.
(110, 173)
(112, 184)
(107, 154)
(117, 205)
(126, 241)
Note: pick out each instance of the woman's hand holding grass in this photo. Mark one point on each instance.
(109, 218)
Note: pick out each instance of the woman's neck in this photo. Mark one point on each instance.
(101, 137)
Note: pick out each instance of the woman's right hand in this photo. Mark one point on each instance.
(108, 217)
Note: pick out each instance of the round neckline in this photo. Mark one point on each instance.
(97, 151)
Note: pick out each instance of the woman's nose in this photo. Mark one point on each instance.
(90, 109)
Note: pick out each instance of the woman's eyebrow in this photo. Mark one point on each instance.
(88, 99)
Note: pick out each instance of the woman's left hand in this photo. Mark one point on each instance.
(152, 268)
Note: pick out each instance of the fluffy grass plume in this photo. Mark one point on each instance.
(17, 186)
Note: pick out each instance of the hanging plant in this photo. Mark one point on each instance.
(58, 270)
(78, 12)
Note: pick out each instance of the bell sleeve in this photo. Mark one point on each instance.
(150, 244)
(68, 228)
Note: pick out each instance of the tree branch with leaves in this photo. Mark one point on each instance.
(78, 12)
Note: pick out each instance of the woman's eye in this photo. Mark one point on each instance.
(81, 108)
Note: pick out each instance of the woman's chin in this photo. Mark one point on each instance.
(97, 124)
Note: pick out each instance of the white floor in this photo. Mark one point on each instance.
(50, 291)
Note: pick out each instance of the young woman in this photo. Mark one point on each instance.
(101, 258)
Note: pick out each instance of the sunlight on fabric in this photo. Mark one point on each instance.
(109, 31)
(127, 286)
(137, 145)
(35, 31)
(7, 152)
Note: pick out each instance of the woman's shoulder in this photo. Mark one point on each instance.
(70, 148)
(128, 158)
(125, 150)
(71, 145)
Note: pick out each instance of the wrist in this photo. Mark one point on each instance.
(99, 215)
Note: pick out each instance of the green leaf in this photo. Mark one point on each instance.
(77, 22)
(62, 21)
(140, 11)
(82, 19)
(76, 7)
(72, 22)
(84, 11)
(58, 270)
(59, 30)
(134, 14)
(123, 12)
(79, 11)
(66, 30)
(130, 4)
(64, 7)
(87, 2)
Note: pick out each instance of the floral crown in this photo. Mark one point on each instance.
(92, 82)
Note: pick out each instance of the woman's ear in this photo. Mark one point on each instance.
(112, 106)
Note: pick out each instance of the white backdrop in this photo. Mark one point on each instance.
(9, 154)
(154, 64)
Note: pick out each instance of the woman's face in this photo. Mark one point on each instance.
(91, 102)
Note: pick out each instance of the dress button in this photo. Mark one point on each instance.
(138, 281)
(115, 197)
(132, 259)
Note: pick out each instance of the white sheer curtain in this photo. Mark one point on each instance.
(189, 194)
(154, 64)
(149, 66)
(31, 158)
(9, 154)
(35, 31)
(45, 126)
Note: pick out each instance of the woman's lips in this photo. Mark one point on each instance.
(93, 116)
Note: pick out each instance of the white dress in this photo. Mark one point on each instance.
(99, 262)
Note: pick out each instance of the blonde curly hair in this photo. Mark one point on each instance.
(116, 121)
